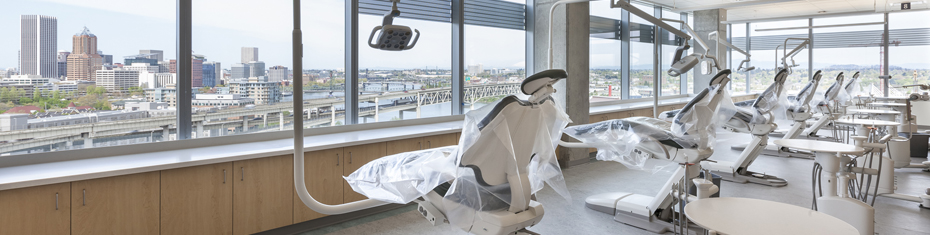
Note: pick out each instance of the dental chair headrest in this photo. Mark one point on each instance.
(781, 76)
(537, 81)
(722, 77)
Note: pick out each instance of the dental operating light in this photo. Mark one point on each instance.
(393, 37)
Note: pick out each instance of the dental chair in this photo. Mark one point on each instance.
(687, 140)
(486, 184)
(758, 120)
(829, 109)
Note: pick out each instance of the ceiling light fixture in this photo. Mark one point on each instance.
(821, 12)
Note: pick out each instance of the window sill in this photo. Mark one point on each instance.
(644, 103)
(82, 169)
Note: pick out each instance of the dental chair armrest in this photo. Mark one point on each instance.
(574, 144)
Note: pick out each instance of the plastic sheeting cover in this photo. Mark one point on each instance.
(520, 142)
(692, 129)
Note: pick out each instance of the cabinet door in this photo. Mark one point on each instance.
(440, 140)
(197, 200)
(643, 112)
(263, 194)
(116, 205)
(356, 156)
(36, 210)
(404, 145)
(323, 175)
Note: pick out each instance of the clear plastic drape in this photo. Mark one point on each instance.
(696, 128)
(488, 145)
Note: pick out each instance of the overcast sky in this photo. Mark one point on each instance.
(222, 27)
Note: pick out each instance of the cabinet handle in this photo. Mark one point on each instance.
(56, 201)
(420, 145)
(241, 174)
(224, 176)
(350, 157)
(337, 159)
(84, 197)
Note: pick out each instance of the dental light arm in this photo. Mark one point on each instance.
(299, 179)
(716, 37)
(795, 51)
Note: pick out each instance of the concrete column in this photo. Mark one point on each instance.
(376, 109)
(245, 123)
(418, 104)
(199, 130)
(570, 52)
(400, 114)
(166, 133)
(281, 122)
(265, 120)
(333, 115)
(707, 21)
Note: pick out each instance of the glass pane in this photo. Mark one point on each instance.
(833, 59)
(765, 61)
(738, 84)
(908, 59)
(73, 89)
(604, 51)
(407, 84)
(495, 59)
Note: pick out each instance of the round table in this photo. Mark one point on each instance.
(835, 200)
(872, 111)
(733, 215)
(867, 122)
(888, 104)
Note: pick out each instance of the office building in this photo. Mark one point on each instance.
(209, 74)
(38, 45)
(249, 54)
(157, 55)
(278, 74)
(221, 100)
(28, 79)
(83, 62)
(141, 58)
(157, 80)
(117, 80)
(196, 71)
(62, 64)
(141, 67)
(239, 71)
(256, 69)
(107, 59)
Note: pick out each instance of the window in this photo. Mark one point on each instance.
(908, 51)
(738, 84)
(849, 50)
(764, 55)
(605, 58)
(62, 88)
(641, 55)
(495, 51)
(670, 85)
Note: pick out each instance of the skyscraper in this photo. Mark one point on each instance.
(249, 54)
(209, 74)
(256, 68)
(107, 59)
(83, 62)
(38, 45)
(62, 63)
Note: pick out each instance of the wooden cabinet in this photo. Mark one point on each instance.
(126, 204)
(356, 156)
(263, 194)
(197, 200)
(404, 145)
(36, 210)
(440, 140)
(642, 112)
(323, 175)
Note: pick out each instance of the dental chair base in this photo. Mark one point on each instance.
(738, 173)
(774, 150)
(499, 222)
(655, 214)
